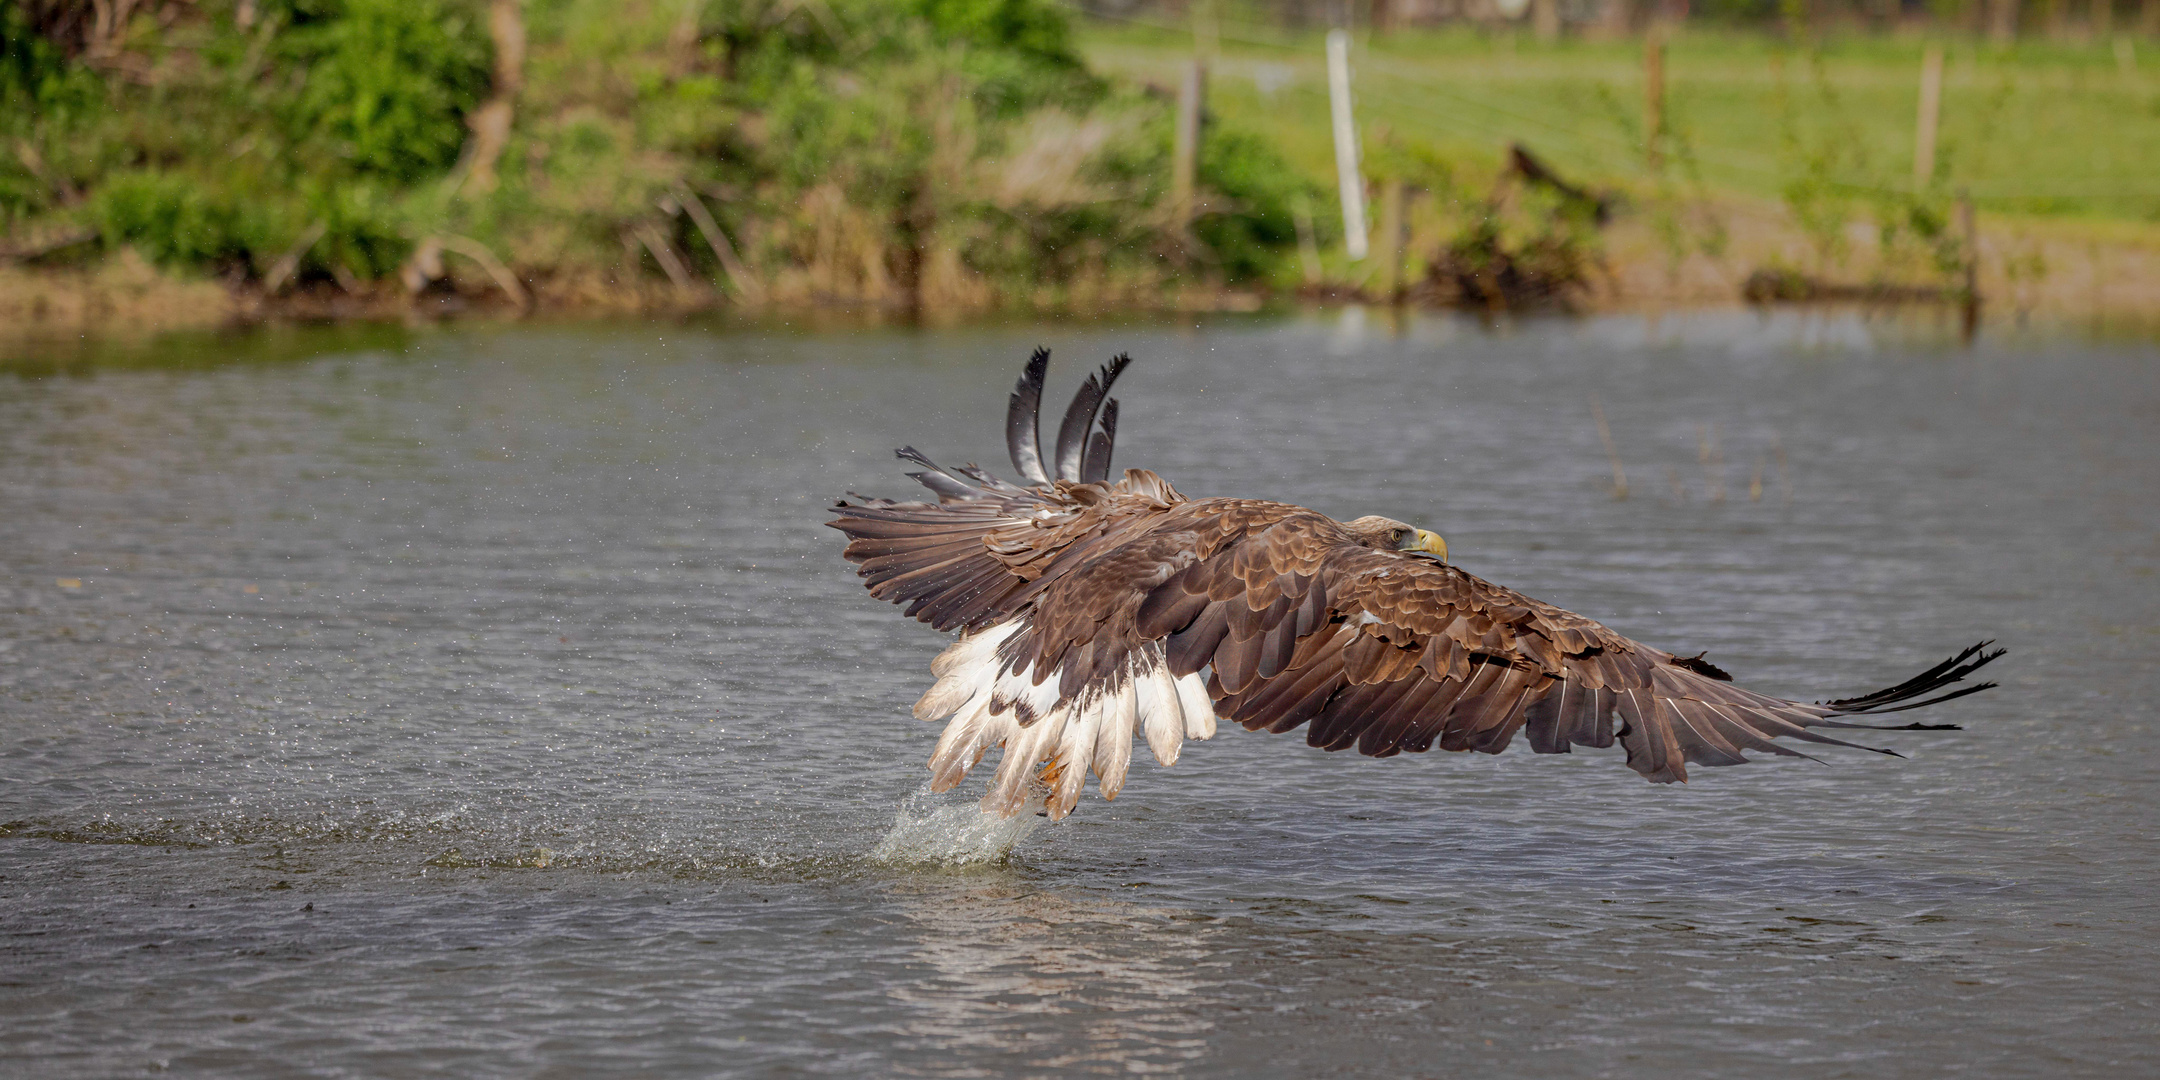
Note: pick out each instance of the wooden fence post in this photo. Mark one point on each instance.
(2003, 21)
(1654, 98)
(1969, 226)
(1545, 19)
(1931, 74)
(1308, 241)
(1185, 159)
(1392, 205)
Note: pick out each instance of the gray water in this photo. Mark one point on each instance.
(493, 703)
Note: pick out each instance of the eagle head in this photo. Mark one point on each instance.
(1388, 534)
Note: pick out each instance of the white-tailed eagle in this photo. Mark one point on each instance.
(1090, 611)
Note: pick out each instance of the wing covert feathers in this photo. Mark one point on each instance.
(1092, 614)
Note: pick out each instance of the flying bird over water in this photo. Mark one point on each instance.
(1092, 610)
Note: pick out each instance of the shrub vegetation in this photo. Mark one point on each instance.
(943, 152)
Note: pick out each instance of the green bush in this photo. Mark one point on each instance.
(361, 232)
(387, 82)
(1259, 190)
(32, 69)
(1027, 28)
(845, 145)
(39, 88)
(1017, 53)
(1248, 192)
(171, 219)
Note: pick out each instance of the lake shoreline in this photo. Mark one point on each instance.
(2051, 271)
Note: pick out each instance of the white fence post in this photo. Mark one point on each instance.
(1346, 145)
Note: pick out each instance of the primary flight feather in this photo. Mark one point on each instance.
(1091, 612)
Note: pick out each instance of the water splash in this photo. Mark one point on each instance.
(942, 830)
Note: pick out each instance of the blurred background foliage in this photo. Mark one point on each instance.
(947, 152)
(963, 154)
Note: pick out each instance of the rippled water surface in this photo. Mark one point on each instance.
(492, 702)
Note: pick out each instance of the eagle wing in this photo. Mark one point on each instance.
(1416, 652)
(1090, 611)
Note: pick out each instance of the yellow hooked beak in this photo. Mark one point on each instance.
(1426, 541)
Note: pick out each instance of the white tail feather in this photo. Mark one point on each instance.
(1199, 710)
(969, 734)
(965, 666)
(1094, 733)
(1075, 751)
(1113, 740)
(1161, 713)
(947, 696)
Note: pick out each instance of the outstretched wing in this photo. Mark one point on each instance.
(1416, 652)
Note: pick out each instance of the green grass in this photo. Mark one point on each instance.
(2055, 130)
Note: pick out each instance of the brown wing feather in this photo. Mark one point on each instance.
(1297, 623)
(1394, 651)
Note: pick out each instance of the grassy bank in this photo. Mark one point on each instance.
(2037, 129)
(216, 160)
(337, 156)
(1774, 155)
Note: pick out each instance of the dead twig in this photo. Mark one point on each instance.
(665, 255)
(504, 279)
(1533, 170)
(288, 264)
(426, 265)
(746, 286)
(58, 183)
(37, 249)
